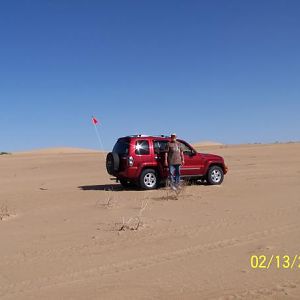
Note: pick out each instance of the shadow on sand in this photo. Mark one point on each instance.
(107, 187)
(118, 187)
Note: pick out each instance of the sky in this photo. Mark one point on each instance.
(226, 71)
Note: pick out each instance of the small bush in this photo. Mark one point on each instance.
(133, 223)
(4, 213)
(3, 153)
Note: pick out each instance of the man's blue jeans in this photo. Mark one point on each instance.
(174, 174)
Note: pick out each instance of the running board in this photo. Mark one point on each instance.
(200, 175)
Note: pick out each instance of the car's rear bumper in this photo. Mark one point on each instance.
(129, 173)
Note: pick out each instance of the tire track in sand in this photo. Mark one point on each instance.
(147, 235)
(139, 263)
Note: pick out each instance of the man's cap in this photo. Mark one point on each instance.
(173, 134)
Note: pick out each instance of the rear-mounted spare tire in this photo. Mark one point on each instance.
(112, 163)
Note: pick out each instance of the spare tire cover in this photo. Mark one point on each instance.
(112, 162)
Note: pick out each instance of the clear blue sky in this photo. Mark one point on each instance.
(209, 70)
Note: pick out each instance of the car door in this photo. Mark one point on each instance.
(193, 161)
(142, 154)
(159, 151)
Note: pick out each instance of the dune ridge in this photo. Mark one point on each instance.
(59, 150)
(206, 144)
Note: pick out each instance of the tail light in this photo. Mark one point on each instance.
(130, 161)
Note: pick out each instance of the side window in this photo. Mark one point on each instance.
(142, 147)
(160, 146)
(186, 150)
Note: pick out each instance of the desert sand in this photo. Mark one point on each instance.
(62, 234)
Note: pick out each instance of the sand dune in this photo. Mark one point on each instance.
(58, 150)
(62, 217)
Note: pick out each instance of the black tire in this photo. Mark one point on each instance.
(112, 163)
(126, 183)
(215, 175)
(148, 179)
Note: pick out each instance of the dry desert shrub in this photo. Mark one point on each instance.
(4, 153)
(108, 200)
(4, 212)
(133, 223)
(170, 194)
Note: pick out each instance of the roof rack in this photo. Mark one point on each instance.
(138, 135)
(144, 135)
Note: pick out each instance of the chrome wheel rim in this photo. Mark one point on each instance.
(216, 175)
(150, 180)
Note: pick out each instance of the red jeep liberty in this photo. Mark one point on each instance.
(139, 160)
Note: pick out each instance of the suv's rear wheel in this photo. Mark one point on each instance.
(148, 179)
(215, 175)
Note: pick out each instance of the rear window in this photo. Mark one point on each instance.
(142, 147)
(122, 146)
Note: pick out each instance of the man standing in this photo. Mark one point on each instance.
(174, 158)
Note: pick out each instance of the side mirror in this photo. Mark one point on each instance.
(193, 153)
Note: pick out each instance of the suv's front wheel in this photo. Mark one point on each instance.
(148, 179)
(215, 175)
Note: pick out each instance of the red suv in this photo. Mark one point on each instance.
(139, 160)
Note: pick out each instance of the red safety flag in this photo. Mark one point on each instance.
(95, 121)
